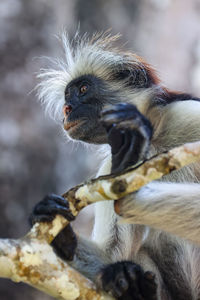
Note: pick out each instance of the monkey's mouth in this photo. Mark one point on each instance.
(73, 124)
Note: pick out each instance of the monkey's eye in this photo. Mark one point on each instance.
(83, 89)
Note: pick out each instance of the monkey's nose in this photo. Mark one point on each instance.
(66, 110)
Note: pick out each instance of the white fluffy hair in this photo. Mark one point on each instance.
(97, 55)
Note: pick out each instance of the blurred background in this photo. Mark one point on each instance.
(35, 159)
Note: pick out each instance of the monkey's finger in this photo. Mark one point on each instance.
(114, 118)
(122, 283)
(33, 218)
(55, 198)
(118, 107)
(148, 286)
(115, 139)
(53, 209)
(113, 280)
(133, 273)
(118, 161)
(114, 290)
(136, 149)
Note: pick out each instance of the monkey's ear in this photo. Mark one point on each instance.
(133, 77)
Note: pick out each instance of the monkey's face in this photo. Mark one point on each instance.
(84, 100)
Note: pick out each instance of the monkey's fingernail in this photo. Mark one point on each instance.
(117, 206)
(108, 118)
(107, 125)
(149, 275)
(108, 109)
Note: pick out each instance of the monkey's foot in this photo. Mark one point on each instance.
(129, 134)
(127, 281)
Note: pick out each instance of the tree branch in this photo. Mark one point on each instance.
(114, 187)
(32, 260)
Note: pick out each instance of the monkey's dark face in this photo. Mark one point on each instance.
(84, 100)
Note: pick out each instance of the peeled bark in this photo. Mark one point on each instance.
(32, 260)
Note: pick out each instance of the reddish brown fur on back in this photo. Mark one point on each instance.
(171, 96)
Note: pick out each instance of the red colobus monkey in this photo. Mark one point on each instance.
(111, 96)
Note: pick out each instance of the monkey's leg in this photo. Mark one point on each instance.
(124, 280)
(129, 135)
(172, 207)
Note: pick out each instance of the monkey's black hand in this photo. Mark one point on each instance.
(49, 207)
(65, 242)
(129, 134)
(127, 281)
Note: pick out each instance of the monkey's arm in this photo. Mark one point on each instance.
(172, 207)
